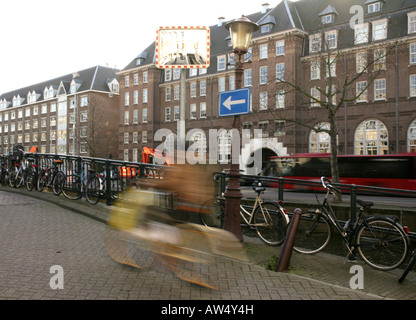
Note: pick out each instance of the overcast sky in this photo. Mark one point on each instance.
(45, 39)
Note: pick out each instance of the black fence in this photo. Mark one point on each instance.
(118, 176)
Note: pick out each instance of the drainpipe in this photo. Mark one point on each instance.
(397, 99)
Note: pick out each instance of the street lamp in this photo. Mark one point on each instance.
(241, 31)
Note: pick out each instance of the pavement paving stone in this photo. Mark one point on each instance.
(39, 230)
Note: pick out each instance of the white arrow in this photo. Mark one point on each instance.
(228, 103)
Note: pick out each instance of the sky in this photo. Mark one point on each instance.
(45, 39)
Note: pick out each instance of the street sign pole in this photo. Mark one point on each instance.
(233, 193)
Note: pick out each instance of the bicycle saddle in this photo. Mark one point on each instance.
(259, 189)
(364, 203)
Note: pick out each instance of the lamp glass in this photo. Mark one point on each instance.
(241, 33)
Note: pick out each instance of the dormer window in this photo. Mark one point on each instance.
(17, 101)
(49, 93)
(4, 104)
(374, 7)
(265, 28)
(328, 15)
(32, 97)
(266, 24)
(140, 58)
(75, 85)
(329, 18)
(113, 85)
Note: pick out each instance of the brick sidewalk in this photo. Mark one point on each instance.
(36, 235)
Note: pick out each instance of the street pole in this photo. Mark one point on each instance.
(233, 193)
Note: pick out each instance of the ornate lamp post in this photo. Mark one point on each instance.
(241, 31)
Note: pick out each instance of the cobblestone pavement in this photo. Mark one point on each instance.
(36, 235)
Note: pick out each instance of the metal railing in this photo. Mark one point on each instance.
(119, 175)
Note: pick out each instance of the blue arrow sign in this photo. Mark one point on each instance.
(234, 102)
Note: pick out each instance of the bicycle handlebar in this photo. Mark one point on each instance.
(326, 183)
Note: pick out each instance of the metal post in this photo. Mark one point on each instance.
(286, 253)
(233, 193)
(353, 205)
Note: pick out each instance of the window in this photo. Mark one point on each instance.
(412, 53)
(202, 110)
(412, 85)
(126, 99)
(371, 138)
(248, 77)
(331, 67)
(379, 29)
(279, 127)
(176, 92)
(379, 59)
(374, 7)
(127, 81)
(280, 48)
(331, 39)
(361, 33)
(380, 89)
(168, 74)
(263, 51)
(84, 101)
(126, 151)
(224, 146)
(193, 72)
(263, 100)
(221, 63)
(319, 142)
(145, 95)
(136, 79)
(193, 89)
(135, 116)
(176, 74)
(144, 137)
(192, 111)
(145, 77)
(328, 18)
(176, 114)
(360, 62)
(168, 114)
(84, 116)
(144, 115)
(315, 97)
(280, 72)
(361, 91)
(136, 97)
(411, 137)
(221, 84)
(280, 99)
(203, 88)
(167, 94)
(265, 28)
(315, 70)
(411, 17)
(126, 118)
(263, 75)
(135, 138)
(315, 43)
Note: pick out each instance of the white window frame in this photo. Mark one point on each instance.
(411, 22)
(280, 48)
(412, 85)
(359, 87)
(331, 39)
(361, 34)
(315, 42)
(412, 53)
(316, 69)
(380, 89)
(263, 51)
(380, 29)
(263, 75)
(221, 62)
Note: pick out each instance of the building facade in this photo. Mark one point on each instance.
(76, 114)
(363, 50)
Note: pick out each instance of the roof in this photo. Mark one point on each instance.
(94, 78)
(305, 15)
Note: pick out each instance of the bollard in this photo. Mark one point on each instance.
(286, 253)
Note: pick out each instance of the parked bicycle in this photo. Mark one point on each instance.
(380, 240)
(75, 186)
(32, 177)
(51, 177)
(409, 266)
(268, 218)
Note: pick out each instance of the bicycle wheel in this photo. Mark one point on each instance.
(271, 224)
(58, 182)
(19, 178)
(72, 187)
(12, 179)
(42, 180)
(211, 213)
(382, 243)
(313, 234)
(31, 180)
(93, 190)
(409, 267)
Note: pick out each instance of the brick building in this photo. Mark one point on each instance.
(311, 44)
(75, 114)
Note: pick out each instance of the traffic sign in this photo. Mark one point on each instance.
(234, 102)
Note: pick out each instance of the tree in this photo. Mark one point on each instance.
(327, 88)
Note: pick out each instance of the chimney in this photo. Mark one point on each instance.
(220, 21)
(265, 7)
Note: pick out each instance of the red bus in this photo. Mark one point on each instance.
(386, 171)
